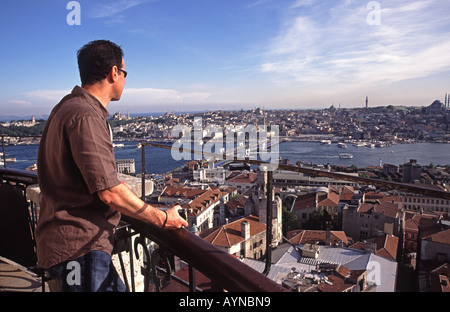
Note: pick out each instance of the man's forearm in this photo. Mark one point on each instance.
(122, 199)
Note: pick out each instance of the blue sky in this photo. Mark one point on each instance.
(186, 55)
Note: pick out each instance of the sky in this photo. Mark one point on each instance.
(197, 55)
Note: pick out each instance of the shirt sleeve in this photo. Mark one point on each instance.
(93, 153)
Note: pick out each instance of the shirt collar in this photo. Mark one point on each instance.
(92, 100)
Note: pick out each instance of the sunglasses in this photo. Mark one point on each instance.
(124, 72)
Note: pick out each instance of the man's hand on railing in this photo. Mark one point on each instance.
(122, 199)
(174, 220)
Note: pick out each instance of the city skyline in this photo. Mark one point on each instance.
(205, 55)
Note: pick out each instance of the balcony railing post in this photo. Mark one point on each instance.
(269, 222)
(3, 150)
(143, 171)
(192, 279)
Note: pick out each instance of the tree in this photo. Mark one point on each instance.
(289, 221)
(318, 220)
(315, 220)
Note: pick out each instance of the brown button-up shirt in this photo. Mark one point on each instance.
(75, 161)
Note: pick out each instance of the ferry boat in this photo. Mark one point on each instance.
(118, 145)
(345, 156)
(342, 145)
(325, 142)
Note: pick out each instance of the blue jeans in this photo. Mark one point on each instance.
(93, 272)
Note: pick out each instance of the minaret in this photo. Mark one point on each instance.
(367, 101)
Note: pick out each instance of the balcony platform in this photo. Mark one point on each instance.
(13, 279)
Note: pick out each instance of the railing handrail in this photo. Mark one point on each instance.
(221, 267)
(19, 176)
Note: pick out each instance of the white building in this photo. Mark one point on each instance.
(210, 175)
(125, 166)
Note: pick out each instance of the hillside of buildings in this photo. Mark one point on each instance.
(385, 123)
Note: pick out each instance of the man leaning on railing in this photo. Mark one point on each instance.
(82, 198)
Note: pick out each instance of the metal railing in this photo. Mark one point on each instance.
(225, 271)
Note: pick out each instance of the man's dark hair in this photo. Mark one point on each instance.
(96, 59)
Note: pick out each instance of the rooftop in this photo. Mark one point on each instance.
(230, 234)
(381, 272)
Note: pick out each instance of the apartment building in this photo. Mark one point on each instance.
(372, 219)
(424, 203)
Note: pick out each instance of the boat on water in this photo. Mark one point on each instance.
(345, 156)
(325, 142)
(118, 145)
(33, 167)
(342, 145)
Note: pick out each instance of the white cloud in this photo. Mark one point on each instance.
(53, 96)
(135, 99)
(109, 8)
(144, 96)
(20, 102)
(336, 48)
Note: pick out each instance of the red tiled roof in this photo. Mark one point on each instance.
(442, 237)
(182, 191)
(381, 197)
(387, 246)
(365, 208)
(229, 234)
(204, 200)
(385, 208)
(347, 193)
(440, 278)
(236, 203)
(332, 199)
(244, 178)
(312, 236)
(304, 202)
